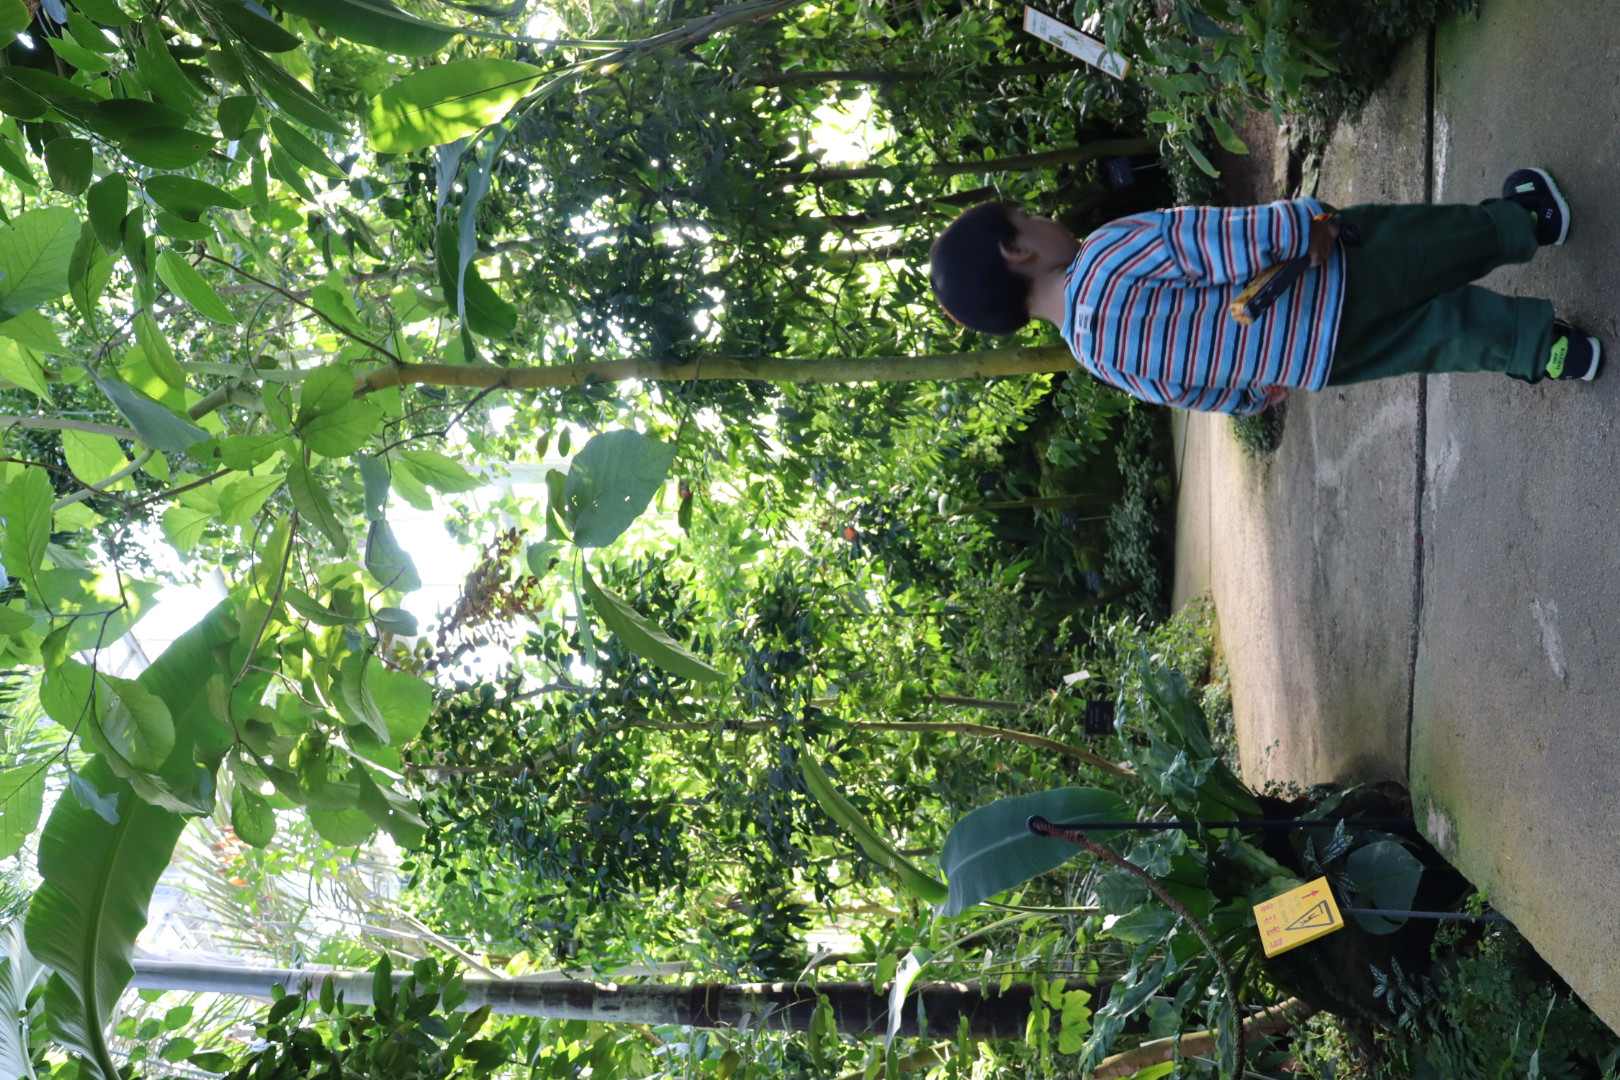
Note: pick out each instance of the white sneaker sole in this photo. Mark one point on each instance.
(1558, 201)
(1597, 358)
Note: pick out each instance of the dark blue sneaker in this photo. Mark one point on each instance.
(1574, 354)
(1534, 190)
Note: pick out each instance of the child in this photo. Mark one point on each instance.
(1144, 301)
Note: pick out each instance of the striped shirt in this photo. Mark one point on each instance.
(1147, 297)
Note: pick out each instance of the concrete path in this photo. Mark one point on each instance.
(1416, 584)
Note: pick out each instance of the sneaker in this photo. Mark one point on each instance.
(1574, 354)
(1534, 190)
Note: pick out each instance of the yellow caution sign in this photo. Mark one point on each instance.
(1297, 916)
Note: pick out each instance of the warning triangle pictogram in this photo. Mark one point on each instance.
(1319, 915)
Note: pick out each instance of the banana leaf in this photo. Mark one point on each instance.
(98, 880)
(99, 874)
(19, 973)
(992, 850)
(841, 810)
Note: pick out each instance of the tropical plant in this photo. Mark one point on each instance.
(1179, 892)
(1206, 61)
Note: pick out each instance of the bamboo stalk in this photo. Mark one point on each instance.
(1273, 1020)
(980, 364)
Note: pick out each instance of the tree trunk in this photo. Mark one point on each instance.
(1069, 155)
(1042, 502)
(926, 727)
(983, 364)
(781, 1006)
(897, 215)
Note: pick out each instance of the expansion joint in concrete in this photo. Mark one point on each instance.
(1420, 463)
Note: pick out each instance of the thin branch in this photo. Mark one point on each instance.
(48, 423)
(230, 394)
(288, 294)
(182, 489)
(99, 489)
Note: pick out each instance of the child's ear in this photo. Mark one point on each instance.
(1015, 252)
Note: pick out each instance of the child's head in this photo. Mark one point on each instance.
(971, 277)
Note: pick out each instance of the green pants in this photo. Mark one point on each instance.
(1409, 307)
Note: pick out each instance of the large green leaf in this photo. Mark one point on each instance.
(108, 202)
(22, 795)
(405, 701)
(104, 605)
(438, 471)
(610, 483)
(444, 103)
(646, 638)
(390, 811)
(992, 850)
(279, 85)
(19, 974)
(34, 255)
(166, 147)
(23, 366)
(33, 330)
(97, 881)
(179, 676)
(159, 353)
(255, 29)
(343, 431)
(389, 563)
(326, 389)
(487, 313)
(128, 722)
(345, 828)
(376, 23)
(14, 19)
(25, 510)
(310, 499)
(304, 150)
(182, 277)
(241, 497)
(161, 72)
(188, 197)
(68, 161)
(160, 426)
(871, 841)
(252, 817)
(93, 457)
(1386, 876)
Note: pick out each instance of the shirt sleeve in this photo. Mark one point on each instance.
(1224, 246)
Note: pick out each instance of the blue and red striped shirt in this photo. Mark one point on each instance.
(1147, 306)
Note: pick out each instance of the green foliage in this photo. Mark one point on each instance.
(1216, 875)
(881, 850)
(408, 1033)
(1136, 524)
(1489, 1007)
(1205, 61)
(1259, 434)
(239, 226)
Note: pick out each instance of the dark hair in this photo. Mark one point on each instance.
(971, 278)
